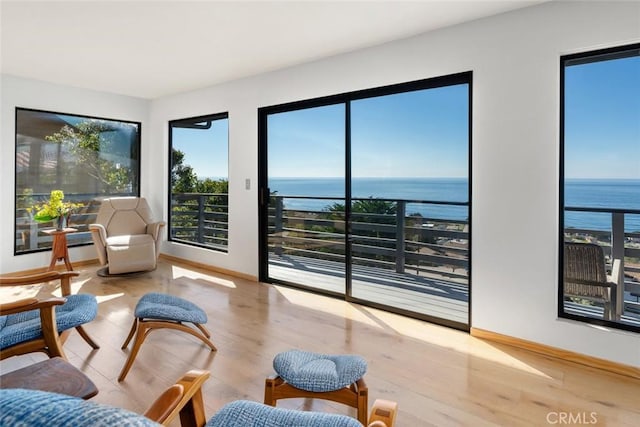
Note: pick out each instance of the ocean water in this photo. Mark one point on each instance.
(605, 193)
(610, 193)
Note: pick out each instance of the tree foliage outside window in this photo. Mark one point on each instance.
(199, 181)
(91, 142)
(87, 158)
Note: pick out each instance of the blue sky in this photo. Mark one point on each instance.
(424, 133)
(602, 119)
(205, 150)
(412, 134)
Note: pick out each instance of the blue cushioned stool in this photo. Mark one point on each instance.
(156, 311)
(243, 413)
(339, 378)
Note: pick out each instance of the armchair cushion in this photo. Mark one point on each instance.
(26, 326)
(243, 413)
(131, 253)
(38, 408)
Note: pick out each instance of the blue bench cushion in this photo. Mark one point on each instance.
(243, 413)
(168, 307)
(319, 372)
(20, 327)
(32, 408)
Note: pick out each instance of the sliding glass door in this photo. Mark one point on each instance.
(366, 195)
(409, 205)
(305, 234)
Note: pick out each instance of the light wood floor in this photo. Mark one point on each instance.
(439, 377)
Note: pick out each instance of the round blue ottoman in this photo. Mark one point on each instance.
(169, 307)
(156, 311)
(333, 377)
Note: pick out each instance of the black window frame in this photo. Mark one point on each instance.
(465, 77)
(191, 121)
(592, 56)
(137, 183)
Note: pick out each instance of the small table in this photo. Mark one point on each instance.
(55, 375)
(60, 251)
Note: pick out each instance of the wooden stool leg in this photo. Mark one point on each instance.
(157, 324)
(268, 392)
(131, 332)
(203, 330)
(140, 337)
(87, 338)
(205, 337)
(363, 401)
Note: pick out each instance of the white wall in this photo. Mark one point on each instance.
(515, 61)
(18, 92)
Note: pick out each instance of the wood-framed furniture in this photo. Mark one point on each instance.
(60, 250)
(335, 377)
(53, 330)
(356, 395)
(182, 400)
(49, 342)
(157, 311)
(54, 375)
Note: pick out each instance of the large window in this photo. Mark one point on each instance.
(366, 196)
(199, 202)
(88, 158)
(600, 183)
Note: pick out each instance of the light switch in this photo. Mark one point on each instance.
(247, 184)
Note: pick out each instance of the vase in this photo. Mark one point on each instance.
(61, 222)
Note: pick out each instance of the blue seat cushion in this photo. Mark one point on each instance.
(319, 372)
(33, 408)
(20, 327)
(243, 413)
(169, 307)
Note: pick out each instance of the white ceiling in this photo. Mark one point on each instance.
(150, 49)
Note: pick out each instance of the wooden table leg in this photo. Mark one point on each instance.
(59, 249)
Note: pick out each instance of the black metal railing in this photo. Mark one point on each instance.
(399, 239)
(28, 232)
(617, 243)
(201, 219)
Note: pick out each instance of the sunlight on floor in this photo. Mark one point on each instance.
(178, 272)
(408, 327)
(327, 305)
(441, 336)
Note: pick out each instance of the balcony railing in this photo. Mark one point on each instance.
(406, 242)
(28, 233)
(617, 244)
(201, 219)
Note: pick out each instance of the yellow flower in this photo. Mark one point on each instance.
(54, 208)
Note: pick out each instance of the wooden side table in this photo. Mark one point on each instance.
(55, 375)
(60, 251)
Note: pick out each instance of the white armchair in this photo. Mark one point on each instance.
(125, 235)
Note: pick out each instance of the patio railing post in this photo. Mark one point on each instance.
(200, 237)
(617, 252)
(278, 225)
(33, 235)
(401, 208)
